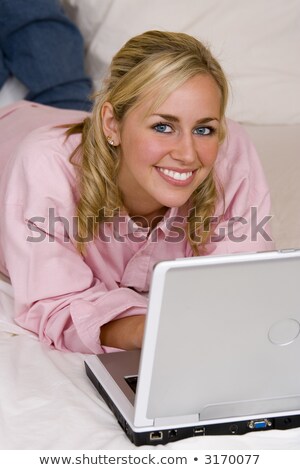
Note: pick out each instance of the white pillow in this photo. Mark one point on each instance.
(12, 90)
(87, 14)
(256, 42)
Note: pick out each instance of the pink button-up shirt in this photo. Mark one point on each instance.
(64, 297)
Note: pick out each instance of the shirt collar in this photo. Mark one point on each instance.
(124, 225)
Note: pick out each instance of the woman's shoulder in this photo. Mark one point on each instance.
(237, 150)
(32, 136)
(236, 135)
(46, 150)
(46, 145)
(41, 169)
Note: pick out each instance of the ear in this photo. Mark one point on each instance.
(110, 124)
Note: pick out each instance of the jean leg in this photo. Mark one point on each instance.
(45, 51)
(4, 72)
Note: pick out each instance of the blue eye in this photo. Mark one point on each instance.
(162, 128)
(204, 130)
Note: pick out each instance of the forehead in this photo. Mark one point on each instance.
(199, 94)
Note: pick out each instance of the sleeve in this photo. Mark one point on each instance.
(56, 294)
(242, 222)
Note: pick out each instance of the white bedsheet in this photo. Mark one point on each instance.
(47, 402)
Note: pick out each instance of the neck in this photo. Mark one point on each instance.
(150, 219)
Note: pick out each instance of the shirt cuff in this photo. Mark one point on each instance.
(88, 317)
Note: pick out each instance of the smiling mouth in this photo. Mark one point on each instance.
(176, 175)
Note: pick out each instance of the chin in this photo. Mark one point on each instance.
(174, 202)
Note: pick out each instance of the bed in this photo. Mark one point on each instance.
(47, 402)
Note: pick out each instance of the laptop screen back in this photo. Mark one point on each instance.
(227, 342)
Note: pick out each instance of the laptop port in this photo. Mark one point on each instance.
(257, 424)
(156, 436)
(172, 433)
(199, 431)
(233, 429)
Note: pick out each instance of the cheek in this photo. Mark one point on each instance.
(208, 152)
(149, 150)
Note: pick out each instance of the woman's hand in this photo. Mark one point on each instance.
(124, 333)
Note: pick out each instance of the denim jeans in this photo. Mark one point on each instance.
(42, 48)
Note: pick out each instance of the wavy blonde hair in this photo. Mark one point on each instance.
(154, 63)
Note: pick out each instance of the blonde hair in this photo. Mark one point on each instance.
(153, 62)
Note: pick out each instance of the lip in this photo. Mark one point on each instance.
(174, 182)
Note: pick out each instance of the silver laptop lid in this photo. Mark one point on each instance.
(222, 339)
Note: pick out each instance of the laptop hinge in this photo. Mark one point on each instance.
(176, 420)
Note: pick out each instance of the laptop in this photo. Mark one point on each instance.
(220, 352)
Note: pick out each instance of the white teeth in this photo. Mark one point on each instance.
(176, 175)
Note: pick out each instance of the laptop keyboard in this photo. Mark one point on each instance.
(132, 382)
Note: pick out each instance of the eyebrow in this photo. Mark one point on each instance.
(170, 117)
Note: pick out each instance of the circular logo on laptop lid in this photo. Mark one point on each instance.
(284, 332)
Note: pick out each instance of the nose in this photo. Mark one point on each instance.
(185, 150)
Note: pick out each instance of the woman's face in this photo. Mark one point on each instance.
(166, 155)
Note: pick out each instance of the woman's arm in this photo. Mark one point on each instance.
(58, 298)
(61, 296)
(124, 333)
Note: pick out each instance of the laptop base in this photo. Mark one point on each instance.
(164, 436)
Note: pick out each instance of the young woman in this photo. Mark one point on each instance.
(89, 203)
